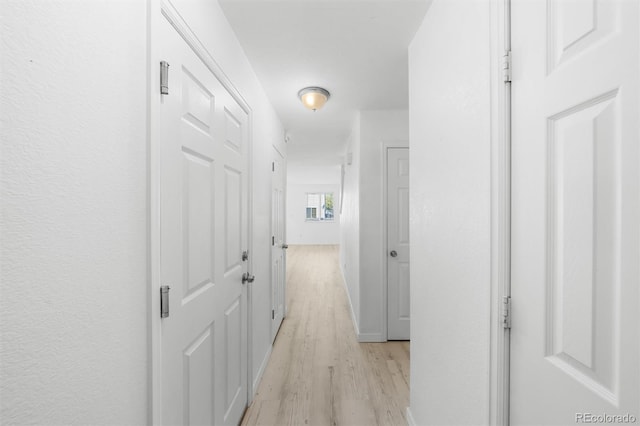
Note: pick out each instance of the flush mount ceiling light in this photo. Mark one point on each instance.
(314, 97)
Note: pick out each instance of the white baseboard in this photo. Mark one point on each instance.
(371, 338)
(263, 366)
(410, 420)
(353, 313)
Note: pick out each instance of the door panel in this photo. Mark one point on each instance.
(398, 289)
(196, 214)
(199, 380)
(576, 26)
(233, 344)
(582, 244)
(403, 292)
(233, 219)
(575, 195)
(203, 222)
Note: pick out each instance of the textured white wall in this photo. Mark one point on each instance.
(73, 304)
(449, 86)
(377, 128)
(301, 181)
(350, 223)
(207, 20)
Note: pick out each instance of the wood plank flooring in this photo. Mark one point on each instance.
(318, 373)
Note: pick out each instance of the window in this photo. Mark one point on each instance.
(319, 206)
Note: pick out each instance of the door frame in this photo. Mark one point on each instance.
(159, 11)
(500, 212)
(385, 146)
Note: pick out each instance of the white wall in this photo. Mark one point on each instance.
(350, 223)
(302, 231)
(73, 304)
(363, 218)
(304, 172)
(450, 104)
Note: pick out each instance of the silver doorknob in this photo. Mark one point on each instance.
(394, 253)
(285, 246)
(246, 278)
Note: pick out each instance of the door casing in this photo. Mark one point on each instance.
(501, 211)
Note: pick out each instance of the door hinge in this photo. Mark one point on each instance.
(273, 314)
(164, 301)
(273, 166)
(248, 278)
(164, 78)
(506, 67)
(506, 312)
(273, 240)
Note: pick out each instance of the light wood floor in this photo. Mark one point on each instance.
(318, 373)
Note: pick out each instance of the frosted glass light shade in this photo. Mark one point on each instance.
(314, 97)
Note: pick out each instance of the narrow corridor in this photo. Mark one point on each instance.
(318, 373)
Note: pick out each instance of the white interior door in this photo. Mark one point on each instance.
(203, 219)
(398, 315)
(278, 243)
(575, 212)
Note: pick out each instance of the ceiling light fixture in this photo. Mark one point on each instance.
(314, 97)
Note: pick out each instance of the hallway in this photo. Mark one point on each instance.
(318, 374)
(158, 157)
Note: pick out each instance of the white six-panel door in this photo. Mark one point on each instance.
(278, 243)
(398, 290)
(575, 213)
(203, 167)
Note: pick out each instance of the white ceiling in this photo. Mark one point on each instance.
(356, 49)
